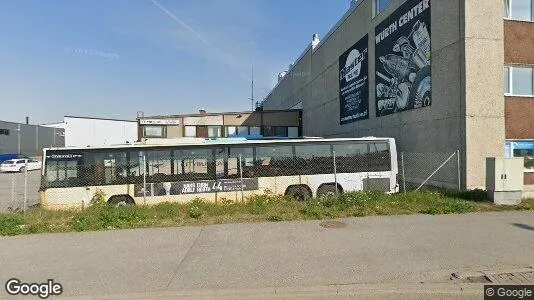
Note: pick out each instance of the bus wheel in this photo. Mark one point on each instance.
(328, 190)
(121, 200)
(299, 193)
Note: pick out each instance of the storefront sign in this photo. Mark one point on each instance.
(402, 59)
(523, 145)
(196, 187)
(354, 83)
(159, 122)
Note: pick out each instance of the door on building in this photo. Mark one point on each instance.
(202, 131)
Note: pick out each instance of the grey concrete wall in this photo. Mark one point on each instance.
(33, 138)
(437, 128)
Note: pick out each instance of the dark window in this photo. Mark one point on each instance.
(528, 155)
(379, 158)
(194, 164)
(351, 157)
(275, 161)
(281, 131)
(269, 131)
(314, 159)
(4, 131)
(65, 170)
(159, 165)
(105, 167)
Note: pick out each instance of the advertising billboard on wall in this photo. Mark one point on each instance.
(402, 59)
(354, 83)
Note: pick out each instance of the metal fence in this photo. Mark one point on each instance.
(429, 171)
(154, 174)
(19, 191)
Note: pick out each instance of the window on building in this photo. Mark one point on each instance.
(519, 81)
(281, 131)
(521, 10)
(190, 131)
(255, 131)
(230, 130)
(380, 5)
(242, 130)
(528, 156)
(214, 131)
(269, 131)
(4, 131)
(154, 131)
(523, 149)
(292, 132)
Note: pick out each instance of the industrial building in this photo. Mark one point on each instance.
(27, 139)
(278, 123)
(438, 76)
(96, 132)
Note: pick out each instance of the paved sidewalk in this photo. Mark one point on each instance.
(368, 254)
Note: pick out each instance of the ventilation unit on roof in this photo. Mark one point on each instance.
(315, 40)
(281, 75)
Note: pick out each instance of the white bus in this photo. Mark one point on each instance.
(231, 169)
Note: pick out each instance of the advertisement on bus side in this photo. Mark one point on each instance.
(196, 187)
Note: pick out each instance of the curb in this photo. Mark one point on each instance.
(416, 290)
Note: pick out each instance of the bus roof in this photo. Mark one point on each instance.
(216, 141)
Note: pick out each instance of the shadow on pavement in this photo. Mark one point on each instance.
(523, 226)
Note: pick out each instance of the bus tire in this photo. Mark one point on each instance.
(121, 200)
(329, 190)
(299, 192)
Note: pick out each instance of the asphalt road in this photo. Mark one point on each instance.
(12, 189)
(392, 250)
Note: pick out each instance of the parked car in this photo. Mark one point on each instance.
(19, 165)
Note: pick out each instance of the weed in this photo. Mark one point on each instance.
(195, 212)
(11, 224)
(274, 218)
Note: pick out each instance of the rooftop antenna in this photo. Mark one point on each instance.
(252, 86)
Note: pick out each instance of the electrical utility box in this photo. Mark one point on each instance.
(504, 179)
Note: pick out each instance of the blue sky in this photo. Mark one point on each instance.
(112, 58)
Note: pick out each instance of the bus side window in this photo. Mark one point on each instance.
(351, 157)
(379, 158)
(247, 161)
(314, 159)
(275, 160)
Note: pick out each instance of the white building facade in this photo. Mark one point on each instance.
(97, 132)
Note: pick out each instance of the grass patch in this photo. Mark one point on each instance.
(256, 209)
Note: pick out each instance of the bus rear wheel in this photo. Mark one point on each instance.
(299, 193)
(328, 190)
(121, 200)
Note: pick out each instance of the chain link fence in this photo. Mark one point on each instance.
(429, 171)
(172, 173)
(19, 191)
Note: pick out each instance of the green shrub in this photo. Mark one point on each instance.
(11, 224)
(314, 210)
(274, 218)
(99, 199)
(107, 217)
(195, 212)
